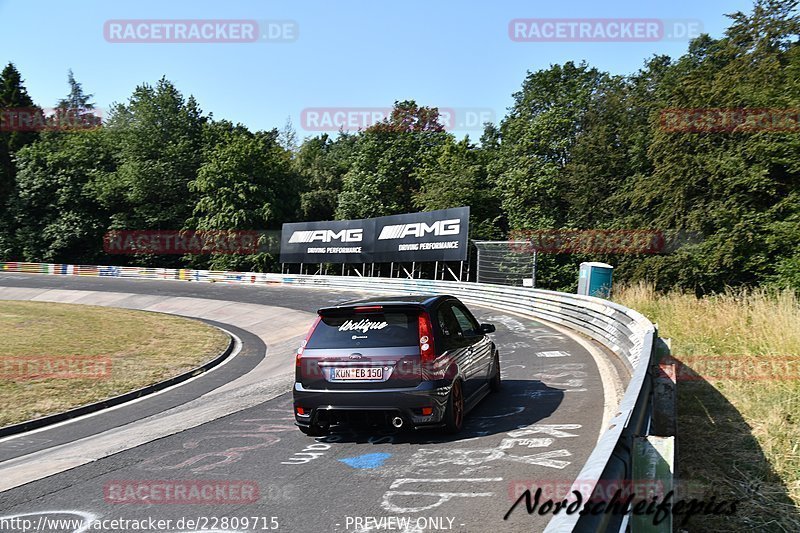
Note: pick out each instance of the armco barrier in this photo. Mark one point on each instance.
(625, 332)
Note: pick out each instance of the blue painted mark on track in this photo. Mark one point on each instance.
(370, 460)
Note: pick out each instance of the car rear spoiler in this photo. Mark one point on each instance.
(367, 308)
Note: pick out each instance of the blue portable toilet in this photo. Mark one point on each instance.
(595, 279)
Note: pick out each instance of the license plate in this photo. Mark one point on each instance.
(374, 373)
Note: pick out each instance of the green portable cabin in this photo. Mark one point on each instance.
(595, 279)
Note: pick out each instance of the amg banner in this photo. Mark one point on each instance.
(432, 236)
(339, 241)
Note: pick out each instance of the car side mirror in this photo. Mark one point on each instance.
(487, 328)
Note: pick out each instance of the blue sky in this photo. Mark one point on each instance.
(348, 54)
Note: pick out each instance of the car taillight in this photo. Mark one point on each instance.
(305, 341)
(368, 309)
(426, 350)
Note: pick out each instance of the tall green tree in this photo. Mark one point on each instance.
(247, 183)
(734, 193)
(537, 148)
(383, 177)
(321, 163)
(76, 111)
(160, 137)
(13, 99)
(58, 216)
(458, 177)
(538, 136)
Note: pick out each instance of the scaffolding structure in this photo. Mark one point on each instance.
(437, 270)
(506, 263)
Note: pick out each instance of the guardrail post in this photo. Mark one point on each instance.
(664, 392)
(653, 469)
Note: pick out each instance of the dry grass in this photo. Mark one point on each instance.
(143, 348)
(736, 437)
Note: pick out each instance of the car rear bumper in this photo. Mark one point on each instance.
(346, 407)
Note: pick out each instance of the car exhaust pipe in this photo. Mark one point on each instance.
(397, 422)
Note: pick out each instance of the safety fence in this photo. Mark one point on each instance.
(623, 331)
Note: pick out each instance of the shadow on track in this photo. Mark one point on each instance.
(518, 404)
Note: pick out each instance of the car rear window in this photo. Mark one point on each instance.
(359, 330)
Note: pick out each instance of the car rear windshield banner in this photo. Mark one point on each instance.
(432, 236)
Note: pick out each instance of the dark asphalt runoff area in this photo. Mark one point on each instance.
(254, 471)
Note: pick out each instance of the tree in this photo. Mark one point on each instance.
(321, 164)
(458, 177)
(13, 99)
(538, 136)
(287, 137)
(247, 183)
(160, 137)
(408, 117)
(76, 111)
(383, 177)
(536, 150)
(737, 194)
(58, 215)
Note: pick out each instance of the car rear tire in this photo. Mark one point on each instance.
(454, 413)
(495, 382)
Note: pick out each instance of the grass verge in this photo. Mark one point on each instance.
(738, 428)
(57, 356)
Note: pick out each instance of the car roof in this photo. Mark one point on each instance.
(414, 300)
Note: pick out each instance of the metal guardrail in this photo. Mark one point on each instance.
(623, 331)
